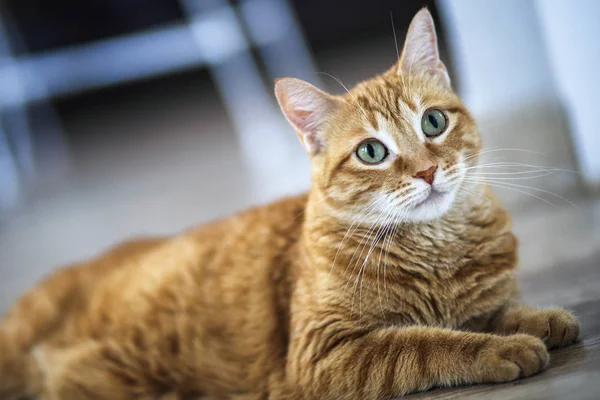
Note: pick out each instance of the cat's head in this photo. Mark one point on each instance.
(397, 146)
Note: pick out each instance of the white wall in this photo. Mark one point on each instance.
(571, 31)
(532, 61)
(498, 53)
(504, 77)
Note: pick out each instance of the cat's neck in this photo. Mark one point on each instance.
(324, 215)
(329, 234)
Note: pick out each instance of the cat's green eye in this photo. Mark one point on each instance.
(433, 123)
(371, 151)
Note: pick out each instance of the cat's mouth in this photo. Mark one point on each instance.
(432, 198)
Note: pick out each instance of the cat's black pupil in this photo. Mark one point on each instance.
(371, 150)
(433, 121)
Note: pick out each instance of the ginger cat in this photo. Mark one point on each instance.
(393, 275)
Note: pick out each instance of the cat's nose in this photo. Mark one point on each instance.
(428, 174)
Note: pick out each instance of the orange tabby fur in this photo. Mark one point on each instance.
(311, 296)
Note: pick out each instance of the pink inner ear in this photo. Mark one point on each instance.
(312, 143)
(306, 108)
(303, 118)
(310, 139)
(305, 121)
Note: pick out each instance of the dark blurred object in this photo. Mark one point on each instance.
(46, 25)
(329, 23)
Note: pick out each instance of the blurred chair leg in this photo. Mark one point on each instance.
(221, 39)
(9, 175)
(13, 101)
(273, 27)
(21, 85)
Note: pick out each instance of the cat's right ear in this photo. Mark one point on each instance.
(420, 52)
(307, 108)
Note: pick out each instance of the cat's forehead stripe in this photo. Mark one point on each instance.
(405, 108)
(383, 122)
(375, 103)
(382, 133)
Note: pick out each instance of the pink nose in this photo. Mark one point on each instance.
(427, 175)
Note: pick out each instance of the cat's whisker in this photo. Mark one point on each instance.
(484, 173)
(366, 238)
(395, 224)
(387, 238)
(390, 241)
(378, 236)
(512, 178)
(329, 196)
(453, 176)
(525, 193)
(395, 37)
(513, 164)
(496, 180)
(469, 156)
(400, 194)
(391, 236)
(376, 226)
(364, 213)
(379, 228)
(378, 285)
(407, 201)
(454, 169)
(488, 125)
(533, 169)
(367, 235)
(385, 250)
(503, 149)
(505, 164)
(338, 80)
(474, 193)
(396, 46)
(503, 185)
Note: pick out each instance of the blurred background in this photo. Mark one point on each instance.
(129, 117)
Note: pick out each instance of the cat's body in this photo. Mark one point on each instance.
(328, 295)
(178, 321)
(170, 304)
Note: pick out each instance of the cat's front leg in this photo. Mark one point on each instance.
(555, 326)
(388, 362)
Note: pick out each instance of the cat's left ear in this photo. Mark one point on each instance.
(420, 53)
(307, 109)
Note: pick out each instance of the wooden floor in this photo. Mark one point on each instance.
(574, 371)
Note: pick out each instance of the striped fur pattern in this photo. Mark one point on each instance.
(364, 288)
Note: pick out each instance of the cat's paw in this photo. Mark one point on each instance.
(556, 327)
(506, 358)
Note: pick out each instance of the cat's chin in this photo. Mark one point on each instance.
(435, 205)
